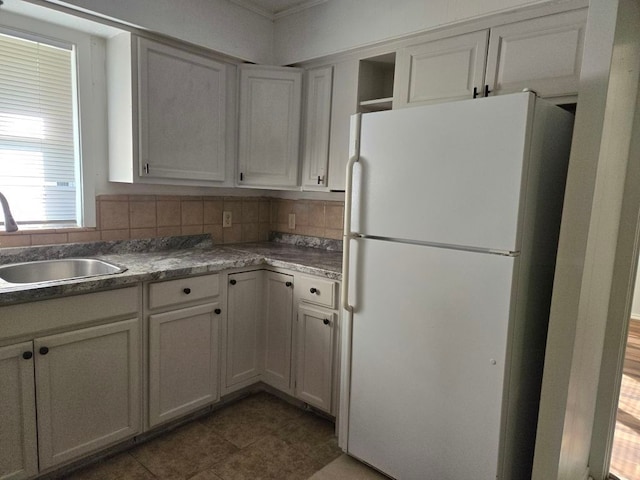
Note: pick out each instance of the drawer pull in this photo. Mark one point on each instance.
(288, 284)
(43, 350)
(313, 290)
(187, 290)
(217, 311)
(326, 321)
(232, 282)
(27, 355)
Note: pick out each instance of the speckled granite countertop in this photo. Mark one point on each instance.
(149, 264)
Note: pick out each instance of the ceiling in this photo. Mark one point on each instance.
(276, 8)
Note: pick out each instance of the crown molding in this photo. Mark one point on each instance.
(250, 5)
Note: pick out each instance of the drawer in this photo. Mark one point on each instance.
(317, 291)
(183, 290)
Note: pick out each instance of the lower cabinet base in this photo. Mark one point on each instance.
(153, 433)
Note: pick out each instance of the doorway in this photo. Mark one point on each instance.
(625, 453)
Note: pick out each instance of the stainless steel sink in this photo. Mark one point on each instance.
(64, 269)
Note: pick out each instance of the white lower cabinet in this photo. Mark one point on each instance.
(88, 389)
(184, 346)
(264, 342)
(183, 361)
(244, 332)
(71, 392)
(18, 451)
(315, 356)
(278, 310)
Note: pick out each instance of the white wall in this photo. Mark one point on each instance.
(340, 25)
(216, 24)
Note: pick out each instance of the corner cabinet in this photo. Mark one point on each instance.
(171, 114)
(315, 158)
(269, 133)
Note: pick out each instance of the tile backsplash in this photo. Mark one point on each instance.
(123, 217)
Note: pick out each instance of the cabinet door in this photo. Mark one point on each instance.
(278, 310)
(18, 454)
(88, 390)
(314, 363)
(441, 70)
(270, 99)
(344, 104)
(543, 54)
(245, 356)
(182, 114)
(317, 125)
(183, 361)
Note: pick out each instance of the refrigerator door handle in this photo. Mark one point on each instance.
(348, 235)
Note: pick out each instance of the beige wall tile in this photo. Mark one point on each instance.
(301, 210)
(285, 207)
(309, 230)
(234, 206)
(117, 198)
(250, 211)
(108, 235)
(251, 232)
(316, 214)
(191, 229)
(143, 198)
(192, 212)
(143, 233)
(169, 231)
(265, 211)
(49, 239)
(212, 211)
(168, 213)
(232, 234)
(114, 215)
(92, 236)
(331, 233)
(142, 214)
(334, 217)
(14, 240)
(215, 231)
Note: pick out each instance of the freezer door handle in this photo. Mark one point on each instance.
(347, 235)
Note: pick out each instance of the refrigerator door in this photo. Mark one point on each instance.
(450, 173)
(428, 359)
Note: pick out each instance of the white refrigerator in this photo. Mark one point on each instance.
(451, 226)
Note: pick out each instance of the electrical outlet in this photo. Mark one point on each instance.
(292, 221)
(226, 219)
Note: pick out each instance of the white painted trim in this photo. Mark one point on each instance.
(271, 15)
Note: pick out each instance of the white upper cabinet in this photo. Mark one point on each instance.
(270, 107)
(171, 114)
(441, 70)
(319, 84)
(543, 54)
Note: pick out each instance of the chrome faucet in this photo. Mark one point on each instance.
(10, 224)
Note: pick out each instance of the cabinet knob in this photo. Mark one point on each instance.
(313, 290)
(288, 284)
(217, 311)
(326, 321)
(232, 282)
(43, 350)
(187, 290)
(27, 355)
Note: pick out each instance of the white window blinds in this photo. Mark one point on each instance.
(38, 146)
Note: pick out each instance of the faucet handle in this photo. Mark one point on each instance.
(10, 224)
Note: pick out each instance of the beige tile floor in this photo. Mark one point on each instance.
(259, 437)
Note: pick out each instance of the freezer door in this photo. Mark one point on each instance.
(428, 360)
(449, 173)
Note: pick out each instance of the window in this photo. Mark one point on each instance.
(39, 164)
